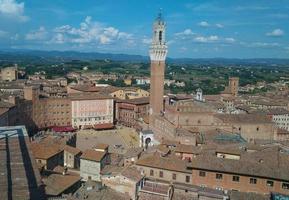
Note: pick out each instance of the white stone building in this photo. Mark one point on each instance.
(280, 117)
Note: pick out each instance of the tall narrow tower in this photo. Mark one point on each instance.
(234, 85)
(158, 52)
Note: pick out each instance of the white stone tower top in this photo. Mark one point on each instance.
(158, 50)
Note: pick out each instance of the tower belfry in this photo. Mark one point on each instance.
(158, 52)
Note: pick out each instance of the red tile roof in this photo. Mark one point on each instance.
(93, 155)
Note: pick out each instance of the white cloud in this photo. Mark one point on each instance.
(276, 33)
(12, 9)
(203, 39)
(262, 45)
(204, 24)
(219, 25)
(58, 38)
(40, 34)
(146, 41)
(183, 48)
(230, 40)
(186, 32)
(90, 32)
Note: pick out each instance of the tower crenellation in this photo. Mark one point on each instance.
(158, 50)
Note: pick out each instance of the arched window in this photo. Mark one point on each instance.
(160, 36)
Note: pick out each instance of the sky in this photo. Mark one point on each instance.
(195, 28)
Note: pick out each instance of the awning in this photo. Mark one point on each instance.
(62, 129)
(104, 126)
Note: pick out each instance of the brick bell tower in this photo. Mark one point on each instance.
(158, 52)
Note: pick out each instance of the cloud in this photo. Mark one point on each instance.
(204, 24)
(276, 33)
(40, 34)
(262, 45)
(12, 9)
(219, 25)
(90, 32)
(230, 40)
(186, 32)
(203, 39)
(146, 41)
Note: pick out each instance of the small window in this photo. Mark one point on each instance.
(270, 183)
(257, 128)
(174, 176)
(151, 172)
(236, 178)
(202, 173)
(219, 176)
(285, 186)
(161, 174)
(253, 181)
(187, 179)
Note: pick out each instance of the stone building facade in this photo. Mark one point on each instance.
(92, 111)
(91, 164)
(128, 112)
(71, 157)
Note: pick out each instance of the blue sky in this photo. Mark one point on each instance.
(195, 29)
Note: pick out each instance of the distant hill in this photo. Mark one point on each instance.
(16, 56)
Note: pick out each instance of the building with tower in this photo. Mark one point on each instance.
(158, 52)
(234, 85)
(233, 88)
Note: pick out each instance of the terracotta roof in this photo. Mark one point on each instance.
(41, 152)
(46, 148)
(182, 148)
(72, 150)
(88, 96)
(136, 101)
(133, 152)
(171, 162)
(58, 183)
(86, 88)
(271, 163)
(243, 118)
(132, 173)
(93, 155)
(101, 146)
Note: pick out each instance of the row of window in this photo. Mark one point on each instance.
(251, 181)
(53, 106)
(280, 119)
(174, 176)
(91, 119)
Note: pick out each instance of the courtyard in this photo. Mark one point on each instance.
(119, 139)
